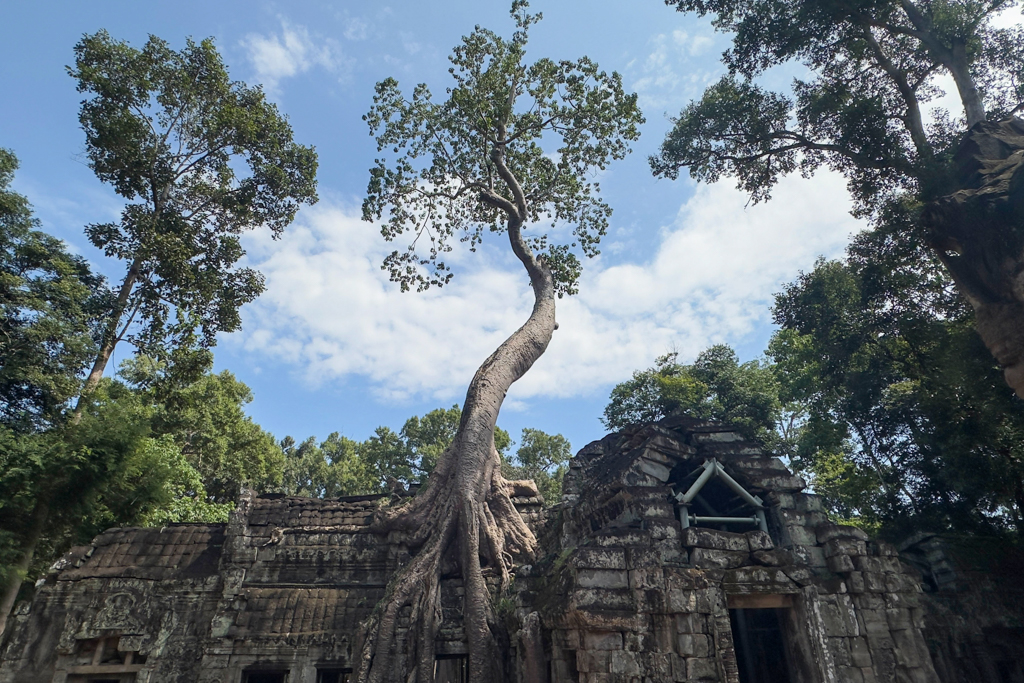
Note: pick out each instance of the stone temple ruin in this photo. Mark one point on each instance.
(679, 552)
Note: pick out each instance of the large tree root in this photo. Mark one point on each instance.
(466, 507)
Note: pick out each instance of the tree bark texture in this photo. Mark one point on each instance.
(39, 516)
(110, 338)
(465, 511)
(978, 233)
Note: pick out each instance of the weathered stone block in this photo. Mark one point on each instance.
(681, 601)
(692, 622)
(624, 663)
(807, 502)
(796, 534)
(596, 640)
(840, 564)
(646, 579)
(840, 650)
(779, 557)
(701, 669)
(759, 540)
(692, 645)
(599, 558)
(593, 661)
(602, 578)
(826, 532)
(701, 537)
(859, 654)
(845, 546)
(643, 558)
(809, 555)
(718, 559)
(655, 469)
(849, 674)
(604, 599)
(855, 582)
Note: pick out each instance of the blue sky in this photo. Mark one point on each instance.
(332, 345)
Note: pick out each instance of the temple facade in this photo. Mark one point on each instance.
(680, 552)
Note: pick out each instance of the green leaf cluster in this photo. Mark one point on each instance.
(716, 386)
(512, 138)
(908, 421)
(172, 134)
(49, 302)
(870, 73)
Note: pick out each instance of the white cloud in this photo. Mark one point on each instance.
(671, 72)
(331, 312)
(294, 51)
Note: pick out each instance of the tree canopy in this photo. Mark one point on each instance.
(513, 140)
(49, 301)
(171, 133)
(871, 69)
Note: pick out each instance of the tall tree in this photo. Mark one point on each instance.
(872, 69)
(49, 300)
(474, 164)
(909, 424)
(171, 133)
(542, 458)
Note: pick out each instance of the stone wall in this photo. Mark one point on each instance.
(628, 594)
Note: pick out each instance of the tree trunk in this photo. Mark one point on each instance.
(110, 338)
(978, 233)
(466, 507)
(39, 517)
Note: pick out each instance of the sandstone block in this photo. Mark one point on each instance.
(701, 669)
(718, 559)
(602, 578)
(599, 558)
(759, 540)
(855, 582)
(859, 654)
(655, 469)
(588, 661)
(596, 640)
(701, 537)
(849, 674)
(624, 663)
(826, 532)
(845, 546)
(681, 601)
(840, 564)
(779, 557)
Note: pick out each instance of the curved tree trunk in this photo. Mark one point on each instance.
(978, 233)
(465, 507)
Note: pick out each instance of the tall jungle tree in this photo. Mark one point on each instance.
(459, 169)
(172, 133)
(871, 69)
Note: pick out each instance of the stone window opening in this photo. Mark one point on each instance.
(451, 669)
(328, 674)
(710, 497)
(100, 660)
(265, 675)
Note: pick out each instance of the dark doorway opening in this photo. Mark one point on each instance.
(264, 676)
(757, 635)
(451, 669)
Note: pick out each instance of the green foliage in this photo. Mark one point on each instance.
(909, 423)
(544, 458)
(387, 460)
(715, 387)
(467, 165)
(49, 300)
(171, 133)
(870, 70)
(107, 470)
(207, 422)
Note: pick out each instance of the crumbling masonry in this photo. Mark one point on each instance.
(679, 552)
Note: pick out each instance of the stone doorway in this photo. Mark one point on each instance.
(759, 625)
